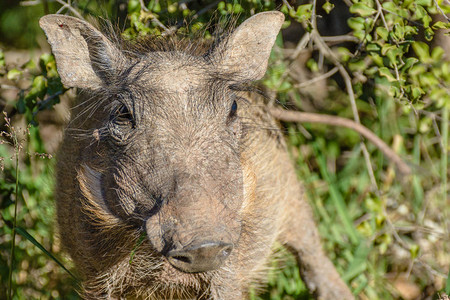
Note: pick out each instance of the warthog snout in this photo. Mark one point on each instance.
(201, 257)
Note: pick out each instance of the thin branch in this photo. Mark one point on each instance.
(69, 7)
(205, 9)
(313, 14)
(318, 78)
(143, 7)
(153, 17)
(370, 169)
(300, 46)
(441, 11)
(341, 38)
(287, 4)
(8, 87)
(348, 3)
(323, 47)
(30, 3)
(303, 117)
(380, 13)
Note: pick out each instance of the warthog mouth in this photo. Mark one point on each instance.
(172, 277)
(200, 257)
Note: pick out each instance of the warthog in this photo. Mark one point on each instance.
(173, 180)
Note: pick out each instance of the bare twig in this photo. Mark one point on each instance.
(369, 167)
(30, 3)
(303, 117)
(143, 7)
(340, 38)
(325, 50)
(380, 13)
(323, 47)
(9, 87)
(318, 78)
(313, 14)
(300, 46)
(441, 11)
(68, 6)
(153, 17)
(287, 4)
(205, 9)
(348, 3)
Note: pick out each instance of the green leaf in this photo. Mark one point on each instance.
(312, 65)
(421, 14)
(386, 73)
(13, 74)
(422, 50)
(390, 6)
(394, 91)
(328, 7)
(284, 9)
(38, 87)
(387, 48)
(441, 25)
(344, 54)
(172, 8)
(359, 263)
(437, 53)
(425, 3)
(360, 34)
(373, 47)
(29, 237)
(409, 62)
(414, 251)
(417, 70)
(429, 33)
(407, 3)
(356, 23)
(399, 32)
(357, 65)
(2, 59)
(416, 92)
(134, 6)
(428, 79)
(30, 65)
(383, 33)
(303, 12)
(377, 59)
(362, 9)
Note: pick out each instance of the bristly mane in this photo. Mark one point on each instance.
(194, 44)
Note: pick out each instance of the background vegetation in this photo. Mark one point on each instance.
(379, 63)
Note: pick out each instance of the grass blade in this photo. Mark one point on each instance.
(337, 198)
(29, 237)
(447, 284)
(138, 243)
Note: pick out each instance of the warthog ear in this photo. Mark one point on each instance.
(246, 51)
(85, 58)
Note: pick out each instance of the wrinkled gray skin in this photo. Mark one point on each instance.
(173, 181)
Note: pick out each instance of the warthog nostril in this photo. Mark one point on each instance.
(200, 257)
(184, 259)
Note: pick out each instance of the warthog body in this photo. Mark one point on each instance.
(173, 181)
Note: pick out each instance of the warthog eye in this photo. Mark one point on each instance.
(123, 117)
(233, 110)
(121, 124)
